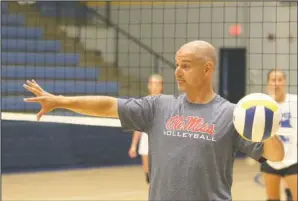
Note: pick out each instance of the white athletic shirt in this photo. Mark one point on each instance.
(288, 132)
(143, 144)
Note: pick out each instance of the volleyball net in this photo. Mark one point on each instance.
(112, 47)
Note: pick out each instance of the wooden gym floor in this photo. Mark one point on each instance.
(117, 183)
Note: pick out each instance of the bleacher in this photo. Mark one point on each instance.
(27, 54)
(75, 10)
(29, 45)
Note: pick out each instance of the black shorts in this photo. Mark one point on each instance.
(291, 170)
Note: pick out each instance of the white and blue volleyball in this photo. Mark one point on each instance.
(257, 117)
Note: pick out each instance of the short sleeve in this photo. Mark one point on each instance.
(137, 114)
(252, 149)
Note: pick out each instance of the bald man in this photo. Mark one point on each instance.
(155, 87)
(192, 140)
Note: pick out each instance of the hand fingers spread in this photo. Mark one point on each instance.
(37, 85)
(33, 85)
(33, 90)
(39, 115)
(34, 99)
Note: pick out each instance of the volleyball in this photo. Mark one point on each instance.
(257, 117)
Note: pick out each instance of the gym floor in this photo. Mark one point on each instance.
(114, 183)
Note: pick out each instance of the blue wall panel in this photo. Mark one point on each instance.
(38, 145)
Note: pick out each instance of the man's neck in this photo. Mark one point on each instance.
(202, 96)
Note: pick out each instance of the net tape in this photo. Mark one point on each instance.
(91, 121)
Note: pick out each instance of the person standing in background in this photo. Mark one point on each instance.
(285, 171)
(155, 87)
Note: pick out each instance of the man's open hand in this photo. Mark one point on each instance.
(47, 100)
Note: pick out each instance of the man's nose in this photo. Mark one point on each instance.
(178, 72)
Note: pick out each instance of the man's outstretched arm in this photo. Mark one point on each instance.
(101, 106)
(134, 114)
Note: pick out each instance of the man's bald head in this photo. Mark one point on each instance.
(195, 64)
(200, 49)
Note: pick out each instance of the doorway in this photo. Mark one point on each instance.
(232, 73)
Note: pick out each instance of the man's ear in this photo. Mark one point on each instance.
(208, 67)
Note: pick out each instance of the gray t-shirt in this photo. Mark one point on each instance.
(191, 146)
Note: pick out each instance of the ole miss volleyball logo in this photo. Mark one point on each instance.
(189, 127)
